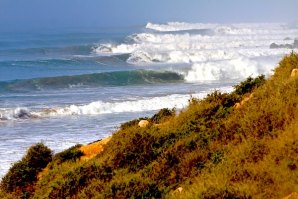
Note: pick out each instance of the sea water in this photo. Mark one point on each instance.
(76, 86)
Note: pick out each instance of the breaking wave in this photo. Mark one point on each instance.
(17, 113)
(239, 68)
(178, 101)
(227, 42)
(223, 51)
(233, 29)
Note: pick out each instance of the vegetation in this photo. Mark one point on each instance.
(22, 175)
(211, 149)
(71, 154)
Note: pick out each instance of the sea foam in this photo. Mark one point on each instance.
(227, 51)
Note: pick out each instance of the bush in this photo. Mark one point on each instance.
(71, 154)
(137, 153)
(162, 115)
(23, 173)
(226, 193)
(74, 180)
(38, 156)
(249, 84)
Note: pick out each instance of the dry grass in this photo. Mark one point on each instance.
(91, 150)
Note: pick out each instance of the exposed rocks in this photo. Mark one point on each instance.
(289, 46)
(143, 123)
(178, 191)
(93, 149)
(294, 72)
(293, 195)
(238, 105)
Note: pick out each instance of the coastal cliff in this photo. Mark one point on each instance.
(242, 144)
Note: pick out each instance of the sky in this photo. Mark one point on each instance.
(42, 14)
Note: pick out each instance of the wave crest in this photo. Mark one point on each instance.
(117, 78)
(178, 101)
(17, 113)
(224, 51)
(239, 68)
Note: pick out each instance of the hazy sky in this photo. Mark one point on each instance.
(38, 14)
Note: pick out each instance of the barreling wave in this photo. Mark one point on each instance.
(117, 78)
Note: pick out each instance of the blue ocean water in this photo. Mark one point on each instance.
(76, 86)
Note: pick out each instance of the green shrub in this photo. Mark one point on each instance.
(38, 156)
(226, 193)
(137, 153)
(71, 182)
(162, 115)
(19, 175)
(216, 157)
(23, 173)
(133, 188)
(71, 154)
(249, 84)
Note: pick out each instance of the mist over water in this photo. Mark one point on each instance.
(69, 88)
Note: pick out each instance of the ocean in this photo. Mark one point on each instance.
(75, 86)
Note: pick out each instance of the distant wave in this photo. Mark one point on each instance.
(39, 62)
(179, 26)
(117, 78)
(214, 51)
(220, 42)
(233, 29)
(50, 51)
(70, 60)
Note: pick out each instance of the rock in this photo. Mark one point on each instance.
(22, 113)
(274, 45)
(295, 44)
(289, 46)
(246, 99)
(94, 148)
(177, 191)
(294, 72)
(293, 195)
(143, 123)
(237, 105)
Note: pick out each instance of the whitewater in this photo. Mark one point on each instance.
(68, 87)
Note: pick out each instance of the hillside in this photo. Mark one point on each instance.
(242, 144)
